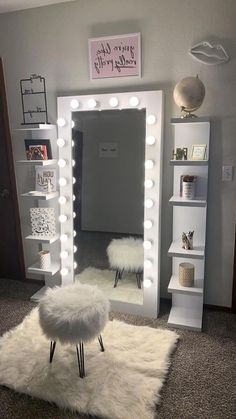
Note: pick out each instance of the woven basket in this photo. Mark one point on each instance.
(186, 274)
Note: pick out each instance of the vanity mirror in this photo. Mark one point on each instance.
(110, 149)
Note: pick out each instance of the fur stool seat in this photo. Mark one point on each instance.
(126, 254)
(75, 314)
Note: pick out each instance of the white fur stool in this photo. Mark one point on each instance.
(75, 314)
(126, 254)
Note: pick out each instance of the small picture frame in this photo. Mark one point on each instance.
(38, 149)
(198, 152)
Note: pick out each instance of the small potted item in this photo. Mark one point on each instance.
(187, 240)
(44, 259)
(186, 274)
(188, 191)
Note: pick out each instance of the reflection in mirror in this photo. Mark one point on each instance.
(109, 155)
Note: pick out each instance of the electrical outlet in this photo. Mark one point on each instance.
(227, 173)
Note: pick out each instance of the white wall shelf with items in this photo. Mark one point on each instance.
(38, 174)
(189, 202)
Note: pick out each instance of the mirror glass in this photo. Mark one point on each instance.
(109, 155)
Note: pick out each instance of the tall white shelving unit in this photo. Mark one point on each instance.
(188, 215)
(40, 131)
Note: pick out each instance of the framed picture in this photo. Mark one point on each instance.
(198, 152)
(115, 56)
(45, 179)
(43, 221)
(38, 149)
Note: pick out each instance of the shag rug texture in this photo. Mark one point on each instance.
(124, 382)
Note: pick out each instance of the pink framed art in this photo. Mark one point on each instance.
(115, 56)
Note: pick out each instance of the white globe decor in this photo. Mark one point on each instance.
(188, 95)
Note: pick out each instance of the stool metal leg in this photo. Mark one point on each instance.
(80, 356)
(121, 273)
(52, 350)
(116, 278)
(101, 343)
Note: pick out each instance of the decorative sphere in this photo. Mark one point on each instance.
(189, 93)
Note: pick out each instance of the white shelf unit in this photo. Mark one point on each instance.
(50, 276)
(189, 215)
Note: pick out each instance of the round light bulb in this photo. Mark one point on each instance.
(148, 183)
(149, 164)
(74, 233)
(113, 102)
(147, 244)
(74, 214)
(134, 101)
(148, 264)
(74, 104)
(92, 103)
(74, 198)
(151, 119)
(73, 163)
(62, 200)
(61, 122)
(72, 124)
(60, 142)
(64, 271)
(148, 203)
(72, 143)
(74, 180)
(150, 140)
(64, 254)
(75, 265)
(61, 163)
(147, 283)
(63, 238)
(148, 224)
(75, 249)
(62, 218)
(62, 181)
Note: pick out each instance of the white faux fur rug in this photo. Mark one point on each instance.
(123, 382)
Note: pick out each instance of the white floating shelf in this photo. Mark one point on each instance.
(175, 287)
(43, 239)
(188, 162)
(45, 196)
(185, 318)
(176, 250)
(35, 127)
(34, 269)
(39, 294)
(192, 121)
(197, 202)
(39, 162)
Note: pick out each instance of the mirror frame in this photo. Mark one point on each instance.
(152, 101)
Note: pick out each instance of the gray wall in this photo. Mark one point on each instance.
(112, 187)
(53, 41)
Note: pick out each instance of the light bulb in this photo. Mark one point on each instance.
(72, 124)
(75, 249)
(62, 200)
(148, 183)
(113, 102)
(75, 265)
(148, 224)
(74, 104)
(64, 254)
(74, 214)
(134, 101)
(148, 203)
(147, 283)
(147, 244)
(149, 164)
(74, 198)
(74, 180)
(74, 233)
(61, 122)
(151, 119)
(150, 140)
(63, 238)
(64, 271)
(148, 264)
(62, 181)
(92, 103)
(61, 163)
(62, 218)
(72, 143)
(60, 142)
(73, 163)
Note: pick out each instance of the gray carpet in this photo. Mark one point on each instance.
(201, 383)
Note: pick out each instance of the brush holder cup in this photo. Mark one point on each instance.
(186, 274)
(44, 259)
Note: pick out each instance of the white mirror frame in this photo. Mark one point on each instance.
(152, 101)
